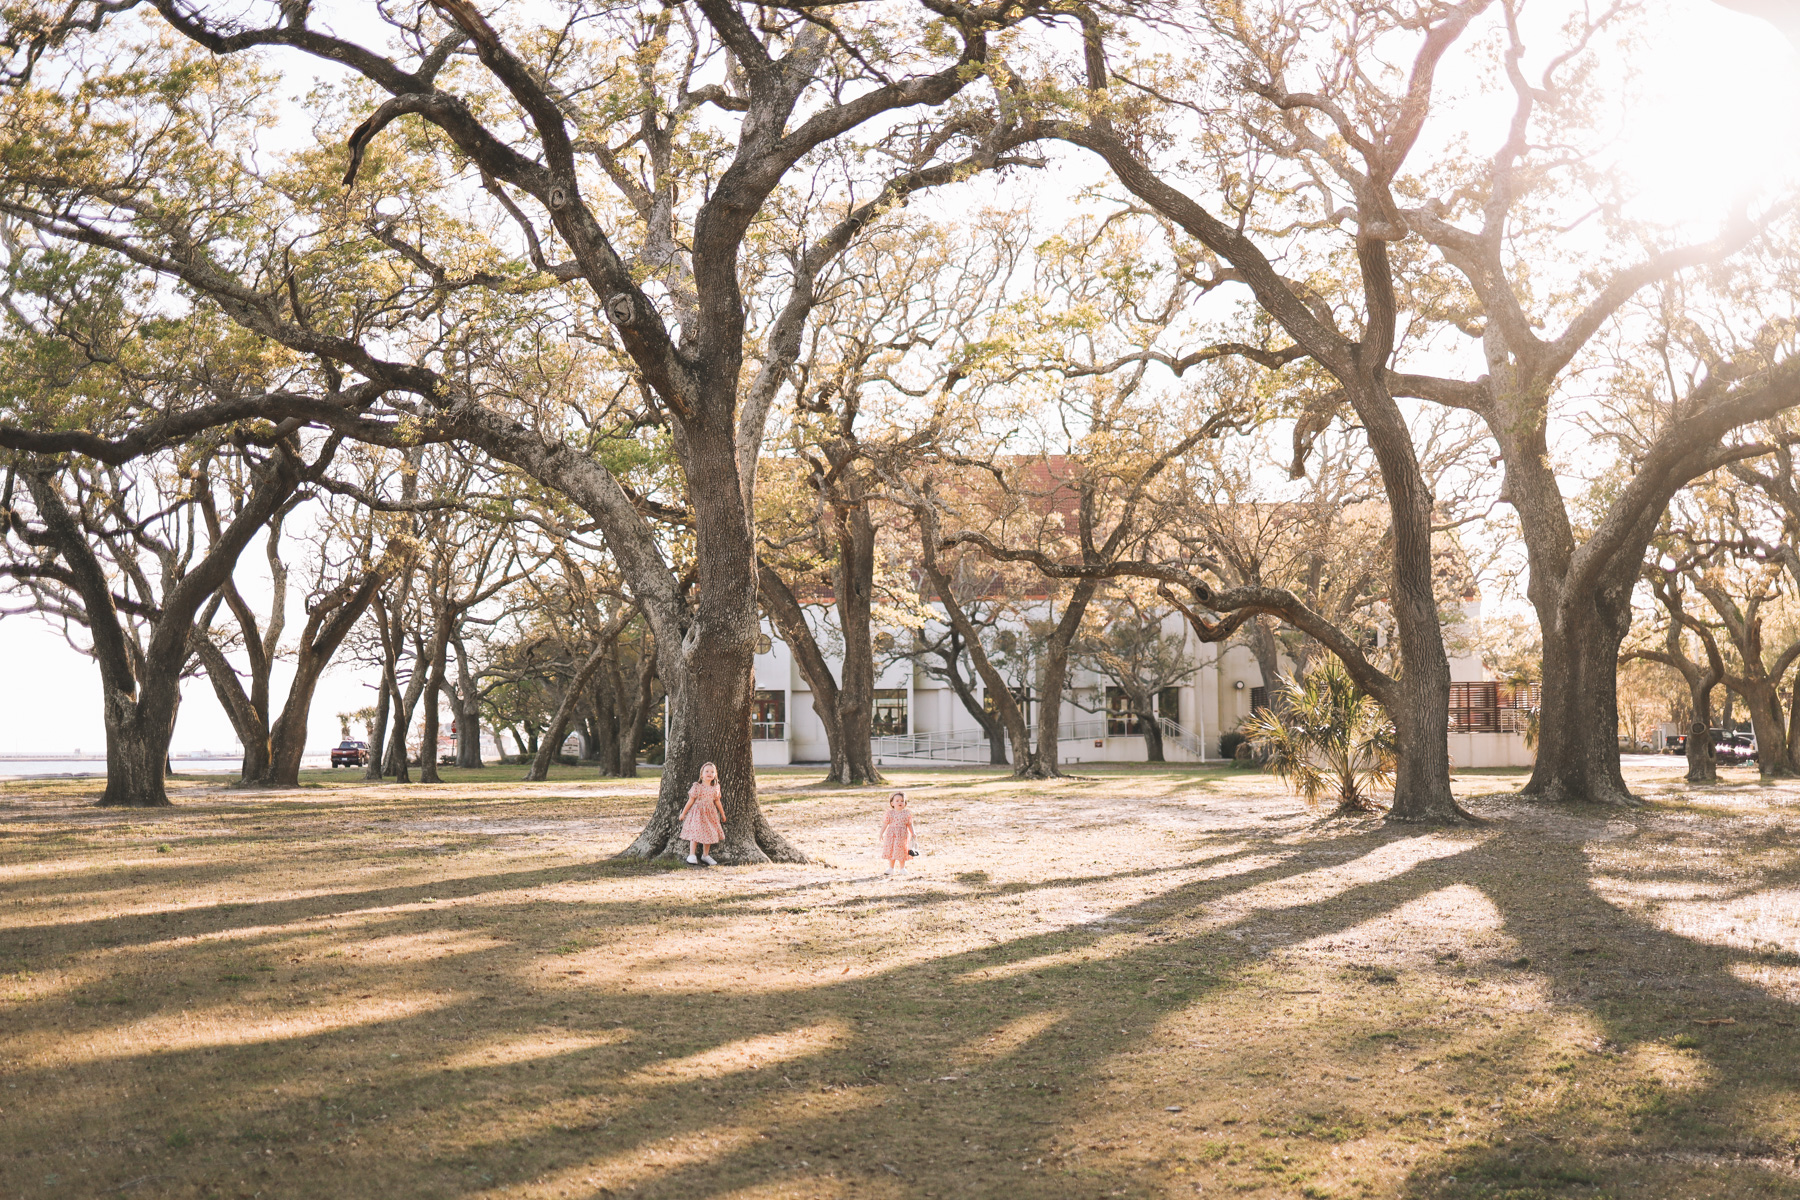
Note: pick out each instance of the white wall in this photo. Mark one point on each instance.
(1210, 703)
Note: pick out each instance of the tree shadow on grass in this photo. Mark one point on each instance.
(245, 1090)
(952, 1075)
(155, 925)
(1717, 1109)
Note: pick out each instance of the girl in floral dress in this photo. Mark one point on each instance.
(896, 833)
(703, 820)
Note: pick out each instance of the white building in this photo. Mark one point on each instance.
(919, 719)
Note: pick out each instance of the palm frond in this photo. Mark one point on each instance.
(1328, 740)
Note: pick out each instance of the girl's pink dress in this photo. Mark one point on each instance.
(896, 833)
(702, 821)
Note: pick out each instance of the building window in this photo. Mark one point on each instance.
(763, 643)
(889, 716)
(768, 716)
(1121, 721)
(1492, 707)
(1259, 698)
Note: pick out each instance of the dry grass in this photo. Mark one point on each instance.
(1149, 983)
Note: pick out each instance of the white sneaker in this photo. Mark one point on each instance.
(709, 860)
(692, 861)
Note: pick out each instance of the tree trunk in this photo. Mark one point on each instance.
(1421, 712)
(853, 580)
(545, 750)
(637, 719)
(397, 764)
(137, 753)
(250, 724)
(608, 702)
(1768, 726)
(1582, 594)
(433, 699)
(1793, 733)
(1053, 678)
(257, 757)
(1702, 759)
(706, 670)
(381, 756)
(1702, 762)
(991, 726)
(382, 759)
(1421, 698)
(1006, 709)
(378, 731)
(1758, 682)
(1151, 724)
(468, 733)
(996, 740)
(1578, 723)
(1259, 636)
(468, 716)
(140, 697)
(783, 608)
(327, 626)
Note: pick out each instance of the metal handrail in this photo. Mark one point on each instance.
(951, 745)
(1069, 731)
(1185, 739)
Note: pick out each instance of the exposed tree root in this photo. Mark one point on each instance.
(662, 839)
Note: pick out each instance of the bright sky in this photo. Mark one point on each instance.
(1722, 115)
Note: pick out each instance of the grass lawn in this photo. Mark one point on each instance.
(1138, 983)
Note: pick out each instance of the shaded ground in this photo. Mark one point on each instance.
(1167, 983)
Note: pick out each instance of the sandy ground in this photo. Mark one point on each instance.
(1147, 983)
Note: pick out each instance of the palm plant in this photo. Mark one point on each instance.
(1327, 740)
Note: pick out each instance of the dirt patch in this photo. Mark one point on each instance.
(1169, 983)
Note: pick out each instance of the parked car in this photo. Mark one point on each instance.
(1734, 749)
(350, 754)
(1729, 747)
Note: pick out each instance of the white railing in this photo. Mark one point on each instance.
(1073, 731)
(1183, 739)
(951, 745)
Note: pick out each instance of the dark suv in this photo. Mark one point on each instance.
(1734, 749)
(350, 754)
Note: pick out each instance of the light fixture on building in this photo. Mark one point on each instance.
(1239, 685)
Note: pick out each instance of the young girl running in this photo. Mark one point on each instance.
(896, 833)
(703, 820)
